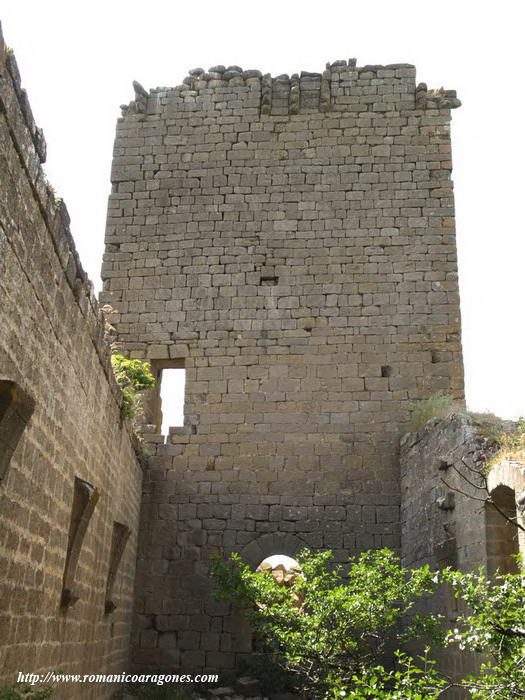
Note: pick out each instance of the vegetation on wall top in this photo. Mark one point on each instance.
(133, 377)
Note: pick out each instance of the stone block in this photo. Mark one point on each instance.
(193, 660)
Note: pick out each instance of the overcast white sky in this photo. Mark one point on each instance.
(78, 60)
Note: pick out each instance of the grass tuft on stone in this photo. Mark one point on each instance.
(439, 405)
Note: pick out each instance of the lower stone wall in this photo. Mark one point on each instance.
(186, 520)
(443, 521)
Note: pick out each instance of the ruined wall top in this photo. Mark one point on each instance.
(342, 86)
(30, 145)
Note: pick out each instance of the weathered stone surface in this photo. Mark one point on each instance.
(296, 239)
(444, 521)
(222, 692)
(251, 74)
(248, 686)
(52, 345)
(290, 241)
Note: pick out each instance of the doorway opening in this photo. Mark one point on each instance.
(502, 531)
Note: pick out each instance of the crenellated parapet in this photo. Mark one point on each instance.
(342, 86)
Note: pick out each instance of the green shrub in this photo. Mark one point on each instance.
(272, 676)
(345, 624)
(133, 377)
(494, 626)
(335, 644)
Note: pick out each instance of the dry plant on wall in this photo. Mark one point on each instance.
(503, 441)
(439, 405)
(110, 332)
(508, 437)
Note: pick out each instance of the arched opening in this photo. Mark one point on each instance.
(276, 560)
(285, 571)
(501, 531)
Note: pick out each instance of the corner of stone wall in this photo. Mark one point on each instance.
(443, 490)
(444, 518)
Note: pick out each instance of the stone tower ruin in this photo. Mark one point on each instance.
(290, 242)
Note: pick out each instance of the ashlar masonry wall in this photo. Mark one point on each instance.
(290, 240)
(52, 354)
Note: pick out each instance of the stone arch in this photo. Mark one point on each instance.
(272, 543)
(506, 481)
(253, 554)
(501, 534)
(507, 473)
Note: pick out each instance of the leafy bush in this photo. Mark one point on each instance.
(345, 624)
(336, 644)
(133, 377)
(495, 626)
(271, 676)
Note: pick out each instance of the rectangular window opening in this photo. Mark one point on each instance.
(172, 383)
